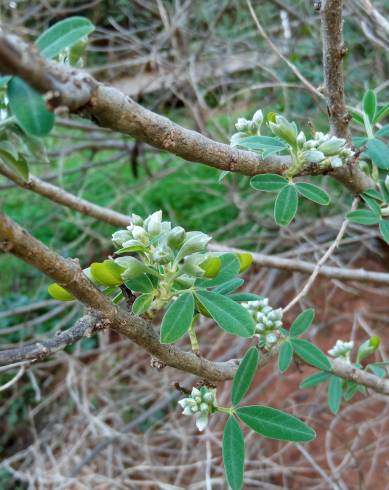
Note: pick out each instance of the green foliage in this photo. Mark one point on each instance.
(285, 207)
(177, 319)
(301, 324)
(310, 354)
(334, 394)
(285, 356)
(233, 453)
(244, 375)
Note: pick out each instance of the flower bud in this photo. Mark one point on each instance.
(242, 124)
(301, 138)
(332, 146)
(284, 129)
(133, 267)
(336, 162)
(154, 223)
(368, 348)
(258, 118)
(245, 261)
(195, 241)
(163, 255)
(139, 233)
(185, 281)
(136, 220)
(176, 237)
(211, 266)
(313, 156)
(121, 236)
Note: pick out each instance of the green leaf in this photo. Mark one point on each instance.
(223, 174)
(359, 141)
(141, 284)
(313, 193)
(107, 273)
(265, 144)
(29, 108)
(268, 182)
(62, 35)
(311, 354)
(350, 390)
(142, 303)
(356, 115)
(228, 314)
(373, 193)
(245, 297)
(314, 380)
(384, 229)
(58, 292)
(383, 112)
(302, 322)
(233, 453)
(363, 217)
(229, 286)
(369, 104)
(244, 375)
(372, 203)
(178, 318)
(10, 157)
(378, 152)
(384, 131)
(275, 424)
(229, 269)
(377, 370)
(285, 356)
(285, 207)
(4, 80)
(334, 394)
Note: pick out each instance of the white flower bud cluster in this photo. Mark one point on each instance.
(324, 147)
(246, 127)
(268, 322)
(342, 349)
(200, 404)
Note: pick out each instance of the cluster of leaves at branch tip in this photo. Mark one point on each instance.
(24, 117)
(167, 267)
(338, 388)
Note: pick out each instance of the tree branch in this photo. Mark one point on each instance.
(110, 108)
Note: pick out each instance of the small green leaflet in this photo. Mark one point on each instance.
(244, 375)
(141, 284)
(228, 314)
(275, 424)
(373, 193)
(107, 273)
(229, 286)
(233, 453)
(142, 303)
(268, 182)
(378, 152)
(177, 319)
(229, 269)
(302, 322)
(11, 158)
(245, 297)
(334, 394)
(369, 104)
(384, 229)
(62, 35)
(314, 380)
(285, 207)
(363, 217)
(267, 145)
(356, 115)
(285, 356)
(384, 131)
(29, 108)
(372, 203)
(311, 354)
(313, 193)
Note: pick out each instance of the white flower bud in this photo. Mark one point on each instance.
(336, 162)
(301, 138)
(242, 124)
(313, 156)
(153, 223)
(332, 146)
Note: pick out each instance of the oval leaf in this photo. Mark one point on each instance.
(229, 286)
(268, 182)
(177, 319)
(10, 157)
(107, 273)
(230, 267)
(275, 424)
(285, 207)
(233, 453)
(384, 229)
(245, 297)
(62, 35)
(369, 104)
(302, 322)
(142, 303)
(58, 292)
(313, 193)
(363, 217)
(228, 314)
(311, 354)
(334, 394)
(141, 284)
(285, 356)
(378, 151)
(314, 380)
(244, 375)
(29, 108)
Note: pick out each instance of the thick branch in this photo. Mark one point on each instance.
(110, 108)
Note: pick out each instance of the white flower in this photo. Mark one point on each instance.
(342, 349)
(200, 404)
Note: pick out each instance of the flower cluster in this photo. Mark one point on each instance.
(268, 322)
(201, 404)
(247, 128)
(342, 349)
(172, 251)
